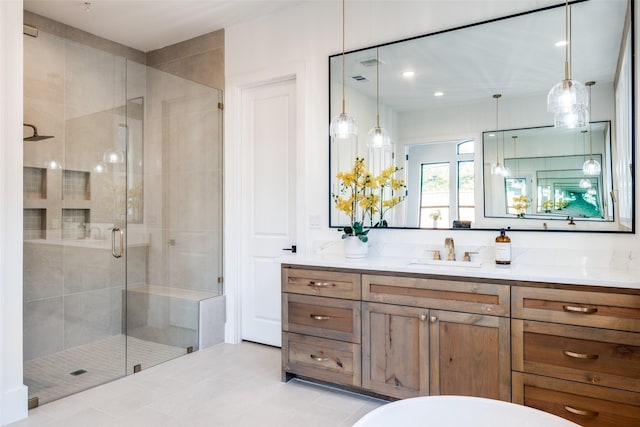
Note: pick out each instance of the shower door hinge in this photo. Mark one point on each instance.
(190, 349)
(137, 368)
(220, 279)
(220, 106)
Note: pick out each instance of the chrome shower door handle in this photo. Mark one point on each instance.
(114, 231)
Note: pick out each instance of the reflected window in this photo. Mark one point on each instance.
(466, 147)
(466, 190)
(435, 201)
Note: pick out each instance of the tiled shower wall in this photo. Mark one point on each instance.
(73, 294)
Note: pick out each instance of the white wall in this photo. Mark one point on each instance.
(308, 34)
(13, 394)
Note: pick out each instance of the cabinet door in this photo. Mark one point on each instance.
(395, 352)
(470, 355)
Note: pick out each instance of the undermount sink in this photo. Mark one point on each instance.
(446, 263)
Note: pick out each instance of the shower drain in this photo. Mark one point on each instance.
(78, 372)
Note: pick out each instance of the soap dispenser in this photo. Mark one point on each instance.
(503, 248)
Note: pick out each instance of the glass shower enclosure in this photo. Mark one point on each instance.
(122, 216)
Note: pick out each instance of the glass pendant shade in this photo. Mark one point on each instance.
(571, 119)
(100, 167)
(52, 164)
(500, 169)
(378, 138)
(343, 127)
(568, 96)
(113, 156)
(591, 167)
(585, 183)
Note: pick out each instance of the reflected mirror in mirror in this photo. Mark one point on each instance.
(440, 115)
(546, 180)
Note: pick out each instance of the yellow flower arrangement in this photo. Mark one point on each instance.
(362, 195)
(521, 204)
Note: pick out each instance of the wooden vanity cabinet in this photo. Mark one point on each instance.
(577, 354)
(417, 349)
(321, 325)
(395, 350)
(573, 351)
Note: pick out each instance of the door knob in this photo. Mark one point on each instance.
(293, 249)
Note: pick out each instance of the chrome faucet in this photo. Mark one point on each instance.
(448, 244)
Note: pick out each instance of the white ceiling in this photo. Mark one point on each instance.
(151, 24)
(514, 57)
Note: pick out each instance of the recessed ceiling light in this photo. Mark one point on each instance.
(438, 93)
(408, 73)
(561, 43)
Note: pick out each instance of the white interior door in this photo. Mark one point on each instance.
(268, 204)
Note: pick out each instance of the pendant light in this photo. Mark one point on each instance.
(378, 137)
(568, 99)
(343, 126)
(517, 183)
(591, 167)
(498, 168)
(584, 182)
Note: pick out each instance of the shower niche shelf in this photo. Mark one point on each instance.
(34, 224)
(34, 183)
(75, 185)
(74, 223)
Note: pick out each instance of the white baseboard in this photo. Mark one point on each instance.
(14, 405)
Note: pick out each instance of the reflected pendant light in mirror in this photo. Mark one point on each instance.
(498, 168)
(568, 98)
(378, 137)
(113, 156)
(591, 167)
(343, 126)
(584, 182)
(517, 183)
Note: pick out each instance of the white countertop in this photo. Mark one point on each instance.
(530, 266)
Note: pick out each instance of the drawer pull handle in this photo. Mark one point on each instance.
(579, 355)
(318, 359)
(319, 317)
(582, 412)
(574, 309)
(319, 284)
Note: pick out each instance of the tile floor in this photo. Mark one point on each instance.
(225, 385)
(49, 377)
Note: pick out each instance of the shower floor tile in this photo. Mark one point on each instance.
(60, 374)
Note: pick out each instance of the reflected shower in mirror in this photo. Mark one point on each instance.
(435, 94)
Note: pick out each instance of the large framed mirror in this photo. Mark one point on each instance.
(434, 96)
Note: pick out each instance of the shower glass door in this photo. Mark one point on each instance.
(122, 217)
(75, 268)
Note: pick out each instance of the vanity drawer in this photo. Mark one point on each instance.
(583, 308)
(321, 282)
(588, 355)
(320, 358)
(323, 317)
(587, 405)
(466, 296)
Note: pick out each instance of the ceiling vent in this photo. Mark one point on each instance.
(371, 62)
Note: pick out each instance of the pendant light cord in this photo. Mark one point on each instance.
(589, 84)
(377, 88)
(567, 40)
(497, 97)
(343, 61)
